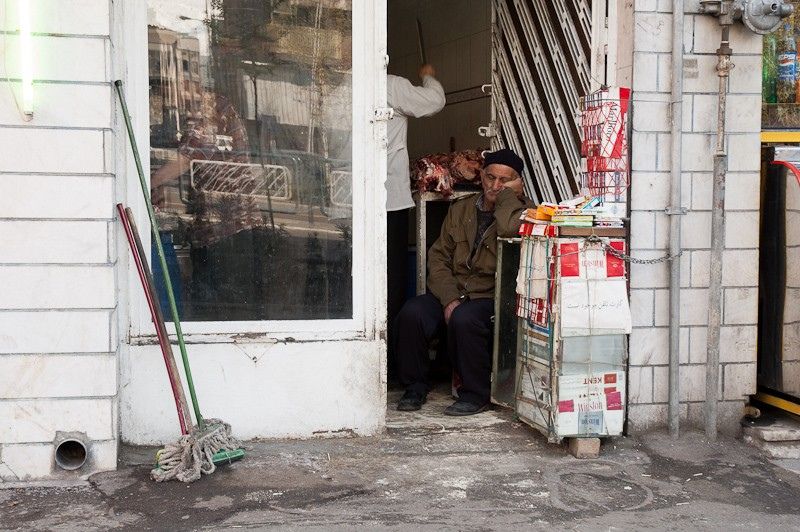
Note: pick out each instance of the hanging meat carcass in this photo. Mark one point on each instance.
(441, 172)
(466, 165)
(432, 174)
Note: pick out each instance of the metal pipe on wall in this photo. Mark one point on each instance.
(724, 67)
(675, 212)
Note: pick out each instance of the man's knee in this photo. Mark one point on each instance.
(415, 310)
(469, 318)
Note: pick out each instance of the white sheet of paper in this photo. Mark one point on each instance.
(594, 306)
(533, 266)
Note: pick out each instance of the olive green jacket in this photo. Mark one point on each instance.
(451, 273)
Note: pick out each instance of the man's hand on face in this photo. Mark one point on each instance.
(448, 310)
(495, 178)
(426, 70)
(516, 186)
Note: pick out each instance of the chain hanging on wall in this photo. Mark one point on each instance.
(627, 258)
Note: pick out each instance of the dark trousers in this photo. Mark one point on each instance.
(469, 340)
(396, 271)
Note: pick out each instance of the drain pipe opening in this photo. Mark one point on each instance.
(71, 454)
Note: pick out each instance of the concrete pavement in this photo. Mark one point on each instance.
(431, 472)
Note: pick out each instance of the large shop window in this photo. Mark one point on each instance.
(781, 76)
(250, 156)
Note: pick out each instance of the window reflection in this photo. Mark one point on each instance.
(250, 137)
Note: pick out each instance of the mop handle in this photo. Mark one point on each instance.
(138, 254)
(161, 257)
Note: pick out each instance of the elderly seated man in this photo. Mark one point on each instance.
(461, 276)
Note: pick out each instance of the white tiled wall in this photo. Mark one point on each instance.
(651, 144)
(58, 363)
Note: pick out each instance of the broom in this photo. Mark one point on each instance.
(210, 442)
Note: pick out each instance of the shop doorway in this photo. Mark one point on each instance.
(778, 319)
(513, 73)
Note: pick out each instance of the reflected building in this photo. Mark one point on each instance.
(175, 84)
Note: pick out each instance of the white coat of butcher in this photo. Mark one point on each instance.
(413, 101)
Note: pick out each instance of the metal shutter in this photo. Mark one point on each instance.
(541, 52)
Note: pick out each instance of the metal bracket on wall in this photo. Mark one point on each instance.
(383, 114)
(676, 211)
(488, 131)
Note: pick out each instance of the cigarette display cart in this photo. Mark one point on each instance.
(569, 344)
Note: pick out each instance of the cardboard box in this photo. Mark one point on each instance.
(591, 404)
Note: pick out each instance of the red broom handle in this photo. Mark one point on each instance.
(155, 313)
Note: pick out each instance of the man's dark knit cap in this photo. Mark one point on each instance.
(505, 157)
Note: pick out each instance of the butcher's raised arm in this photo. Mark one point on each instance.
(411, 100)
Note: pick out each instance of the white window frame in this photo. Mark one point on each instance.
(369, 194)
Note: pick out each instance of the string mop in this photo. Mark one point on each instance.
(210, 442)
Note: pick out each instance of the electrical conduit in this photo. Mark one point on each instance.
(675, 212)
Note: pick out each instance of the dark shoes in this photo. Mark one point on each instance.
(463, 408)
(411, 401)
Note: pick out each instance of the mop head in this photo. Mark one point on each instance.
(193, 455)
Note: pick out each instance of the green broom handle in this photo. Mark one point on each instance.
(161, 257)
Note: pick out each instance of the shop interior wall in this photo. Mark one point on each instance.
(457, 35)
